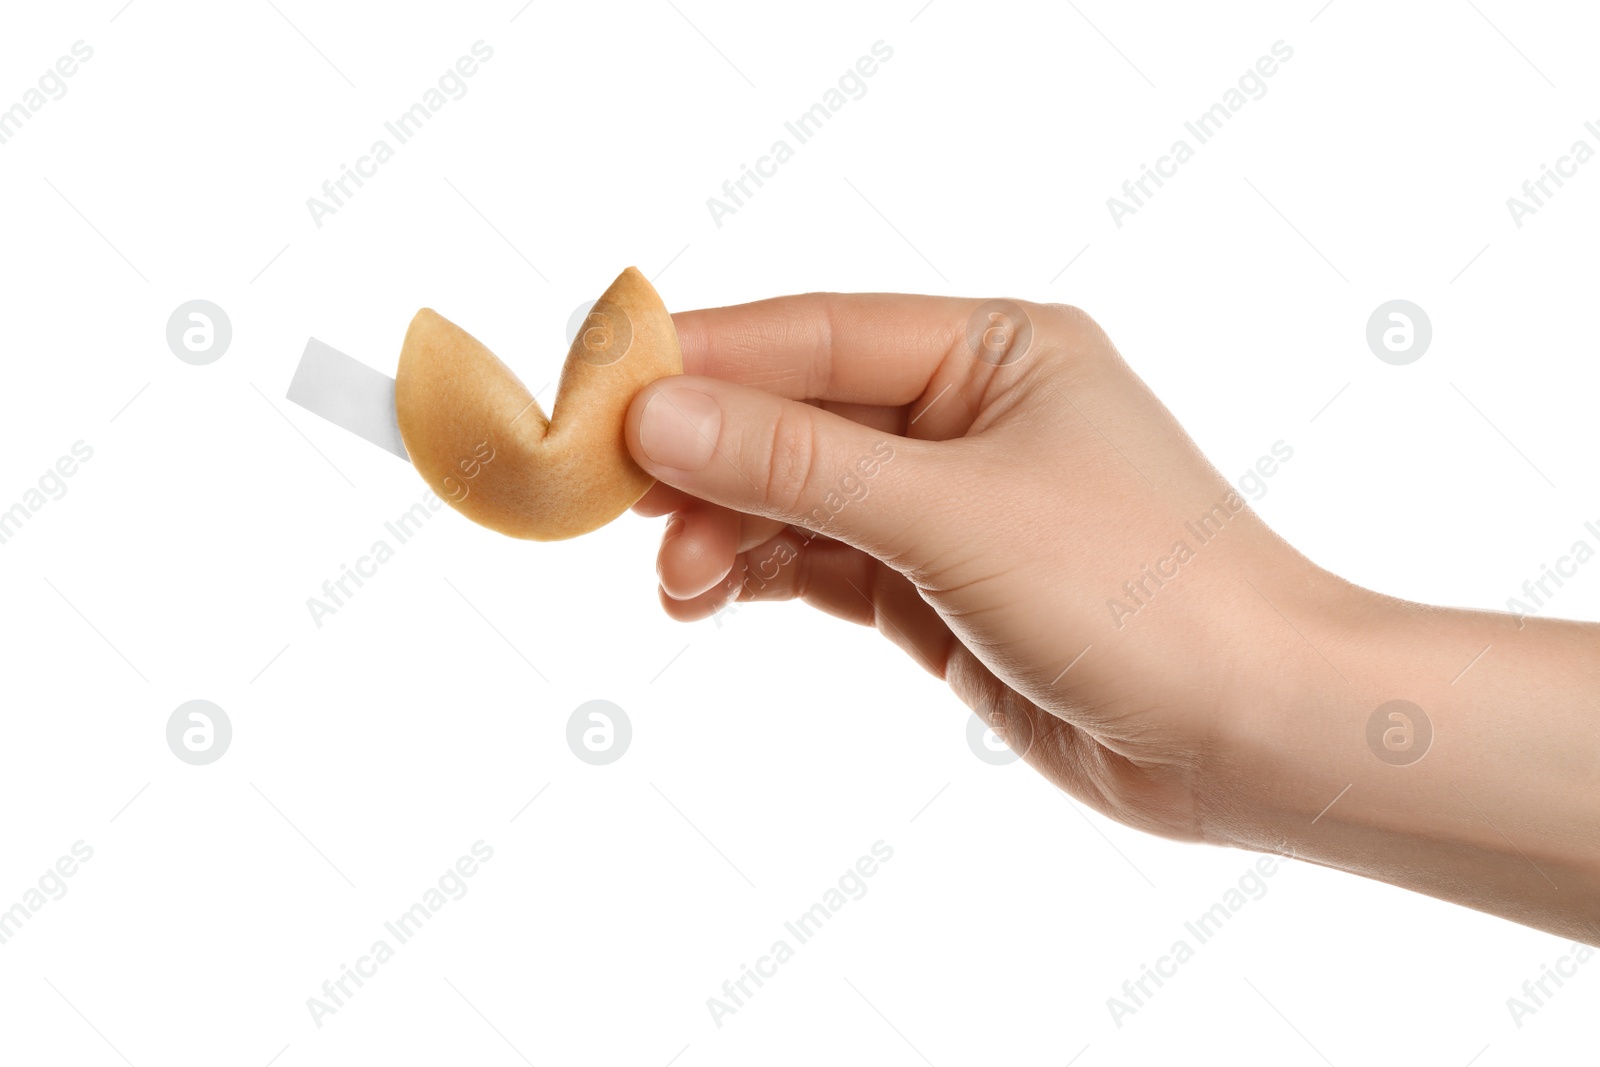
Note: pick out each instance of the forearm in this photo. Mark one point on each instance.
(1499, 810)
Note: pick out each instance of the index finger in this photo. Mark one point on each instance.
(862, 348)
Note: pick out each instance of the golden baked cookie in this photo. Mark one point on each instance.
(481, 441)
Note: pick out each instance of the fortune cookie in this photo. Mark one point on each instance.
(478, 437)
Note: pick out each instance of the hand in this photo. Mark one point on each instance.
(1005, 500)
(979, 490)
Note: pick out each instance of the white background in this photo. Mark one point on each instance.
(772, 750)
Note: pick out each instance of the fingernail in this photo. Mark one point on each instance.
(679, 428)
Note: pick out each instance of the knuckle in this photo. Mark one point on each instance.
(1004, 332)
(1068, 317)
(1069, 333)
(790, 460)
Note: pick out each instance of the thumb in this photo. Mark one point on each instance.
(761, 454)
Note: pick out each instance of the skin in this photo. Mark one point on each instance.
(1231, 706)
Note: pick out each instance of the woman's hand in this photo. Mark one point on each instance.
(991, 486)
(994, 489)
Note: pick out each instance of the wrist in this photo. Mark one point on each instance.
(1290, 729)
(1429, 748)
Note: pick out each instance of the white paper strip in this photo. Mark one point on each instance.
(349, 394)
